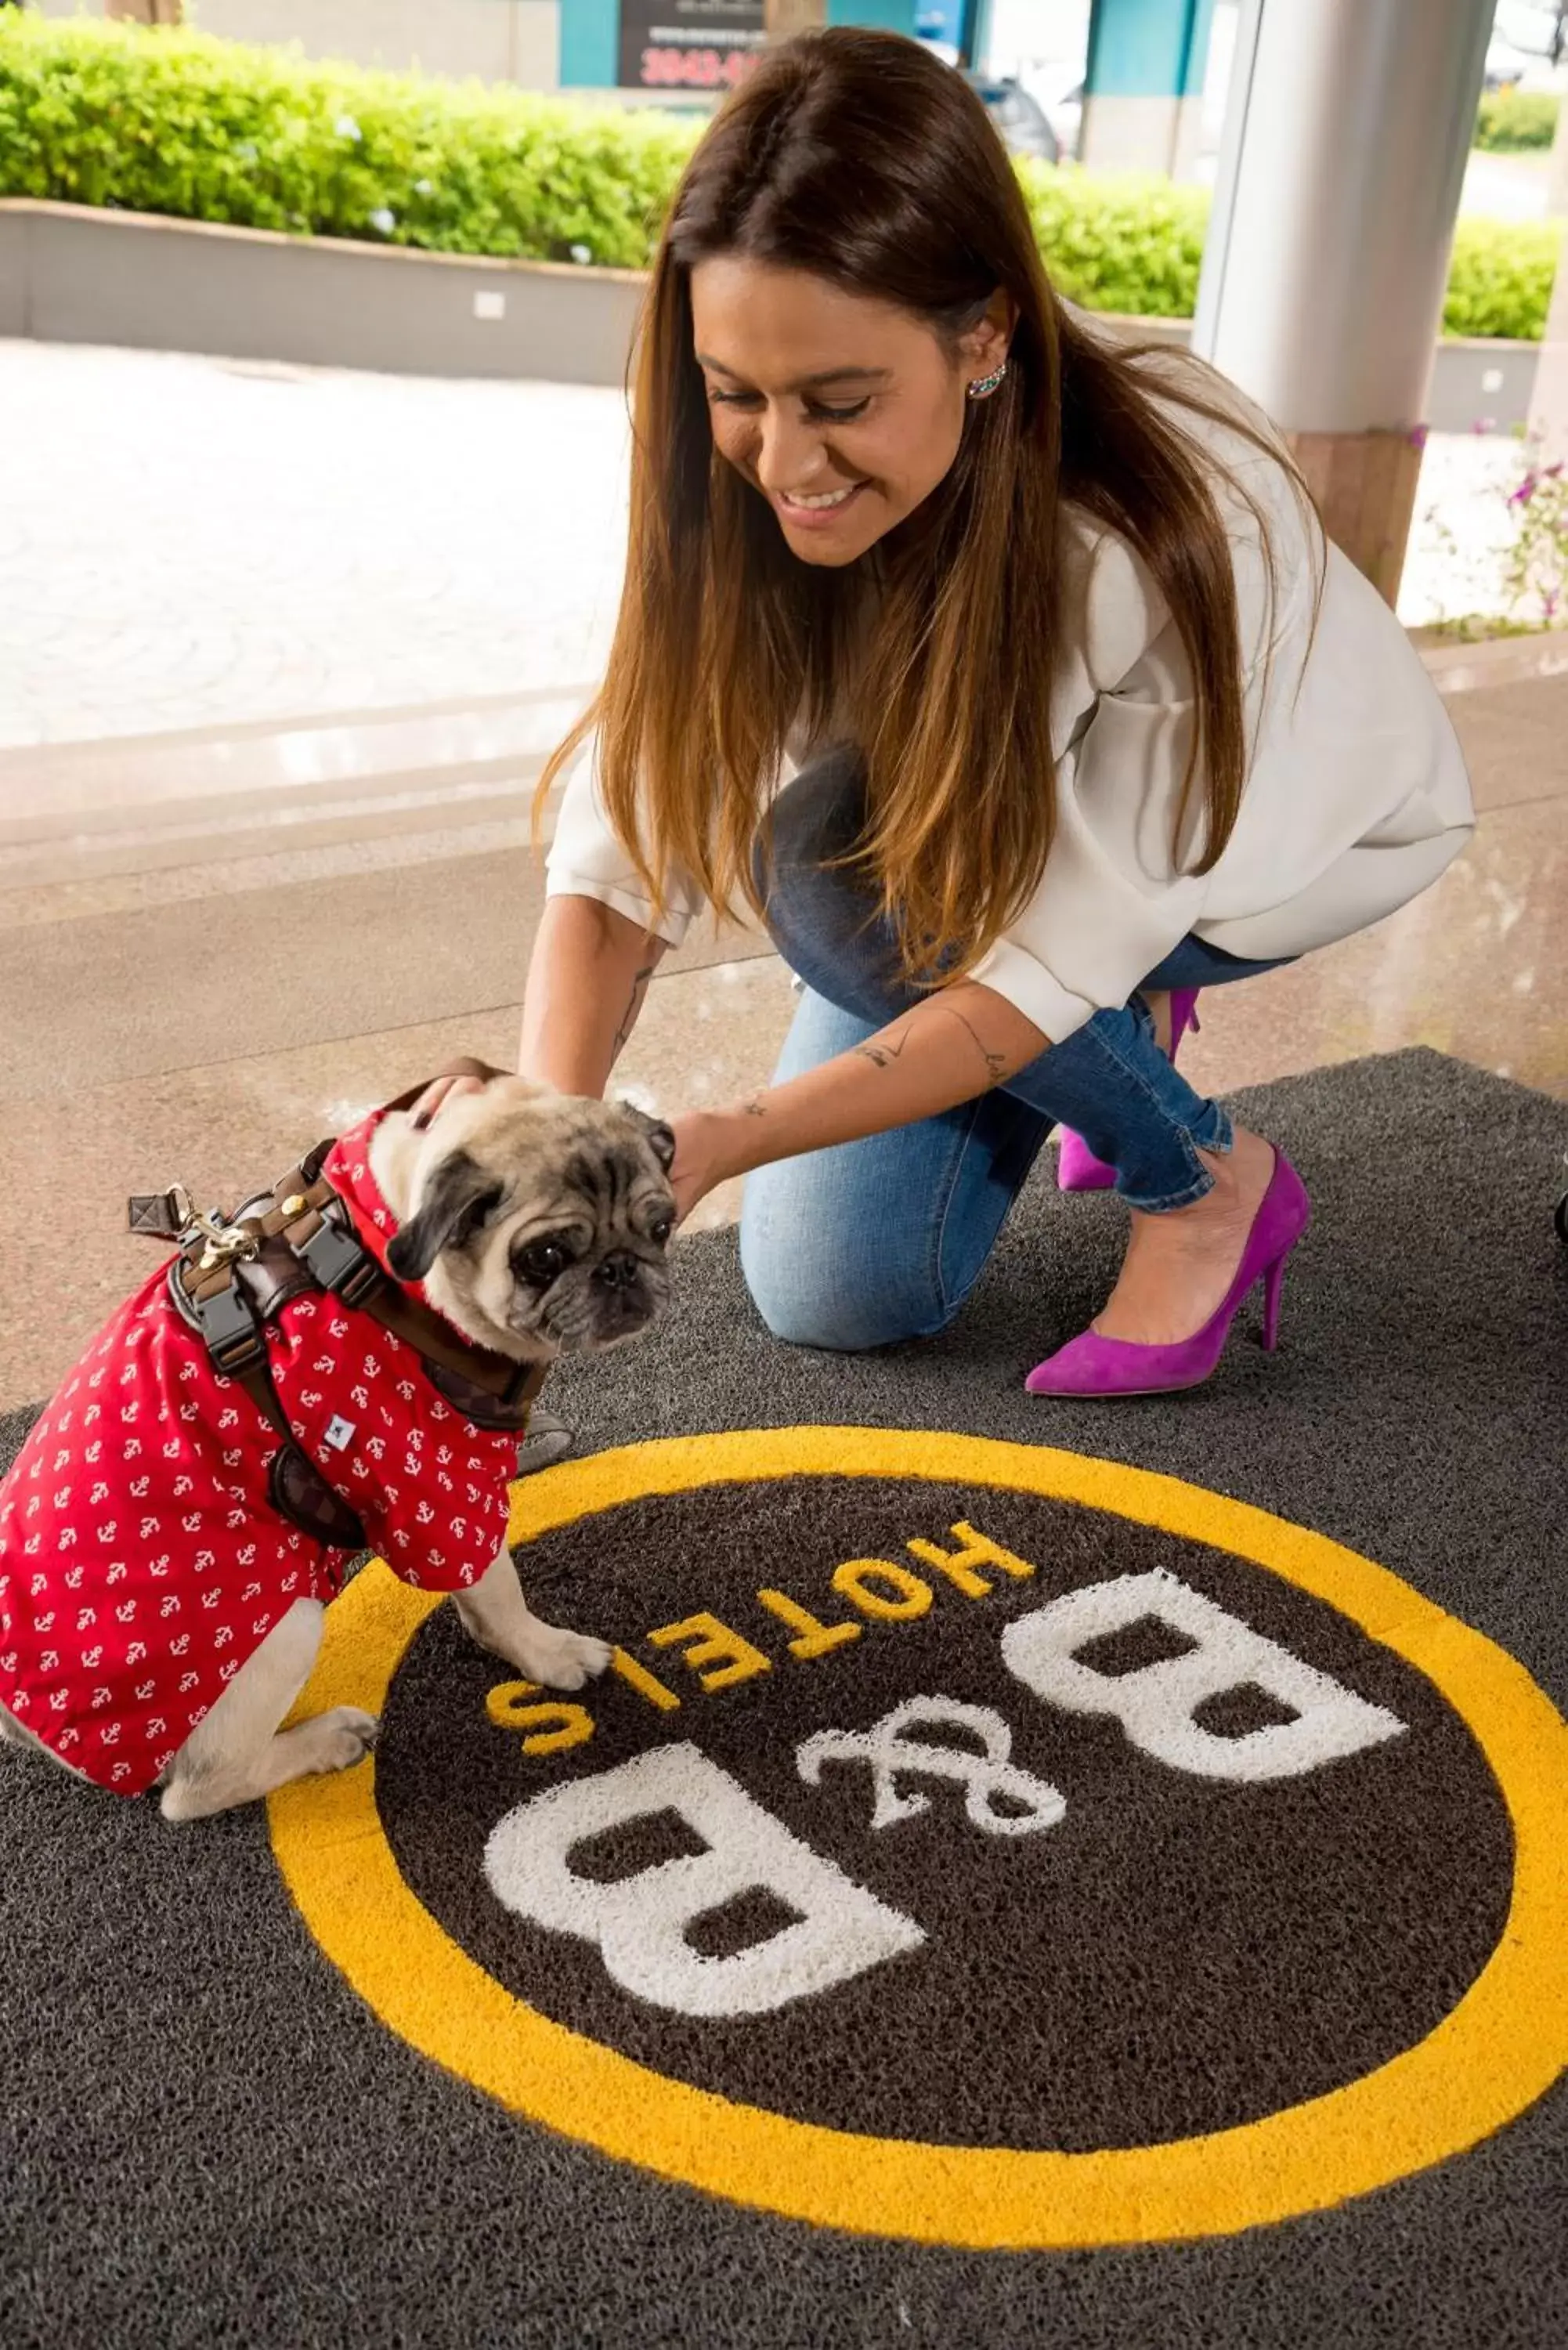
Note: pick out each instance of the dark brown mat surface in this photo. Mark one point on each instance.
(1178, 1955)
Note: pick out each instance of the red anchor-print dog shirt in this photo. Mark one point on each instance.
(141, 1561)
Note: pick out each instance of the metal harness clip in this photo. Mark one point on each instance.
(225, 1242)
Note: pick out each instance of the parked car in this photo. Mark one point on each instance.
(1062, 95)
(1022, 121)
(1531, 25)
(1506, 67)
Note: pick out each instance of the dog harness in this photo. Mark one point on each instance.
(232, 1280)
(267, 1404)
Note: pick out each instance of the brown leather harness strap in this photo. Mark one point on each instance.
(230, 1278)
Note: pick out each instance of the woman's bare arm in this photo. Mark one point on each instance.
(586, 981)
(951, 1046)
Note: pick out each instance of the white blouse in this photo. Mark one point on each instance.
(1355, 800)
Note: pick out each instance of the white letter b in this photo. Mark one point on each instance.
(1156, 1703)
(639, 1923)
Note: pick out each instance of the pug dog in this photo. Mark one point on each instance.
(536, 1221)
(157, 1616)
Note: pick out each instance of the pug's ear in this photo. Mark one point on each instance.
(660, 1137)
(458, 1198)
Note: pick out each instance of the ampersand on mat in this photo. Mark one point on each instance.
(985, 1776)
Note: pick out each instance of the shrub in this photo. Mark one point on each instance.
(1536, 566)
(1500, 281)
(1130, 243)
(205, 130)
(174, 122)
(1509, 121)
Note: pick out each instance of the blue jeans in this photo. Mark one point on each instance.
(881, 1240)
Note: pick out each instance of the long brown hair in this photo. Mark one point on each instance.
(859, 158)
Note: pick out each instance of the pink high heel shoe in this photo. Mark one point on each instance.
(1093, 1365)
(1077, 1169)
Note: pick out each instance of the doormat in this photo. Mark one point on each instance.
(1033, 1870)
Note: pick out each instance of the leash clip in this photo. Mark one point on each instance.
(173, 1215)
(225, 1243)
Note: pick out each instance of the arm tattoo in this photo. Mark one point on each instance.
(629, 1016)
(995, 1063)
(753, 1108)
(879, 1053)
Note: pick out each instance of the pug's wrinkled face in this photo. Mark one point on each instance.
(540, 1220)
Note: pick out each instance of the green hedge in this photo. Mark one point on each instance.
(1509, 121)
(1499, 282)
(96, 113)
(1128, 243)
(260, 138)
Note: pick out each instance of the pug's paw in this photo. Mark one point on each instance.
(562, 1660)
(340, 1738)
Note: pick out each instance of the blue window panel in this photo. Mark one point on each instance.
(1148, 48)
(590, 44)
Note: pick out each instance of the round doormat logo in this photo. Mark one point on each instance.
(971, 1842)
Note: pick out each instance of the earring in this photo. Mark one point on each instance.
(983, 386)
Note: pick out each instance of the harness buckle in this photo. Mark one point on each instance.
(229, 1328)
(341, 1262)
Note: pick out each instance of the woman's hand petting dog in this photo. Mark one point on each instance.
(700, 1159)
(437, 1092)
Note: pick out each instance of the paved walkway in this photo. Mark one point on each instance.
(187, 541)
(190, 542)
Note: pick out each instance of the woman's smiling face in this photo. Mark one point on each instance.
(843, 411)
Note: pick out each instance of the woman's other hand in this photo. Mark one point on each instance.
(701, 1158)
(436, 1092)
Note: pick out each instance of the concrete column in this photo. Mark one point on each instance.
(1557, 167)
(1548, 425)
(1327, 257)
(1143, 85)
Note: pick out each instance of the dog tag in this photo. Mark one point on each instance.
(338, 1432)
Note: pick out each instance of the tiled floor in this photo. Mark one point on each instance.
(263, 810)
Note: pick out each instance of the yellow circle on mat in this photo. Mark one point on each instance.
(1499, 2049)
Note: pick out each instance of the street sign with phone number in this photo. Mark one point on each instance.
(688, 44)
(674, 68)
